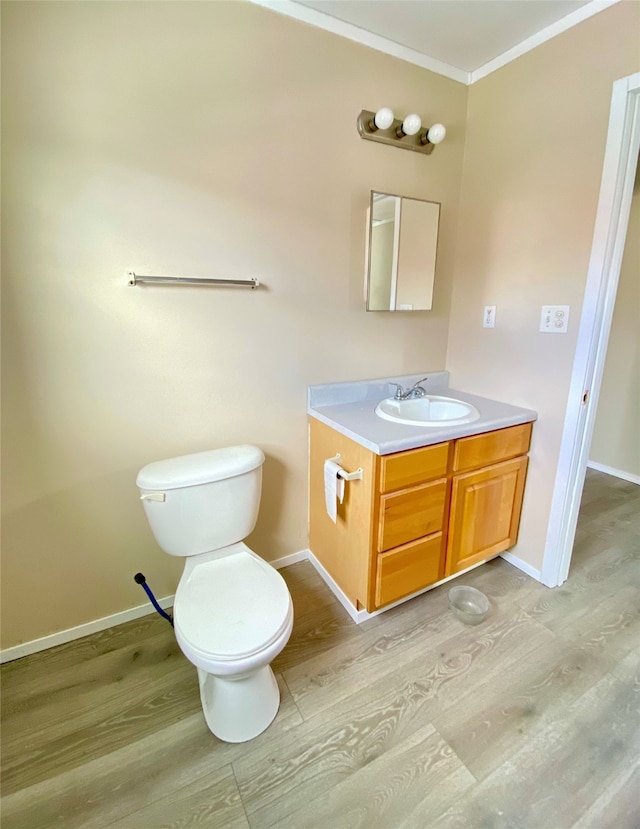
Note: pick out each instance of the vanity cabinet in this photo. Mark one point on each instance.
(416, 516)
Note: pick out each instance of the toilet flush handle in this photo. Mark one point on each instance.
(154, 496)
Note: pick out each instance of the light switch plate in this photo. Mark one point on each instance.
(489, 316)
(554, 319)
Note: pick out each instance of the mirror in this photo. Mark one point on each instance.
(402, 236)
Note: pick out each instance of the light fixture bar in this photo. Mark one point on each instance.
(389, 136)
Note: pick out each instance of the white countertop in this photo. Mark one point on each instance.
(349, 408)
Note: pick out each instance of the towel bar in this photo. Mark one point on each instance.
(137, 279)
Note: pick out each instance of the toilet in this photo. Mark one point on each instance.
(232, 611)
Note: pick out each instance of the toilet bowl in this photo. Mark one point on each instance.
(232, 610)
(232, 616)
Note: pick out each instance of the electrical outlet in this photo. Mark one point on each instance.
(554, 319)
(489, 317)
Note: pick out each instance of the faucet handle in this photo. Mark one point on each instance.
(417, 383)
(417, 390)
(400, 392)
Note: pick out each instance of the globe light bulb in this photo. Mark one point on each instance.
(436, 133)
(383, 118)
(411, 124)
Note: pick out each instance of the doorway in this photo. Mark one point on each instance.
(615, 445)
(616, 190)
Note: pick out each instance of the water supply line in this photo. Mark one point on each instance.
(140, 579)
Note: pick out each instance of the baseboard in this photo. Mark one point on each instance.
(617, 473)
(360, 616)
(522, 565)
(78, 632)
(335, 589)
(293, 558)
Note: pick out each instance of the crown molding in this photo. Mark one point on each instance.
(389, 47)
(557, 28)
(347, 30)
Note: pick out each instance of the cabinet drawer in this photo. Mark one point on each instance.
(409, 568)
(413, 467)
(410, 514)
(492, 447)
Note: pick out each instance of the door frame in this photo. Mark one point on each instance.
(612, 219)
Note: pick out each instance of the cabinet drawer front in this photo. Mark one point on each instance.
(410, 514)
(492, 447)
(409, 568)
(413, 467)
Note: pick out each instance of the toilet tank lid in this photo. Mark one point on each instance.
(200, 468)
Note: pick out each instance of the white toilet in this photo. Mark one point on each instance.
(232, 612)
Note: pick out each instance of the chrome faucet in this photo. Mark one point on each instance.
(415, 391)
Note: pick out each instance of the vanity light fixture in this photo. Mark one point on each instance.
(407, 133)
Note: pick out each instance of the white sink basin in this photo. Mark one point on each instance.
(431, 410)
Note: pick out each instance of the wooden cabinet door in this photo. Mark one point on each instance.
(485, 513)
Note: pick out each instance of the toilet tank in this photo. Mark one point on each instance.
(202, 502)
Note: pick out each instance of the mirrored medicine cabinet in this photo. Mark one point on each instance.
(402, 237)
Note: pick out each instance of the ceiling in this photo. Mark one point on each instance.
(463, 39)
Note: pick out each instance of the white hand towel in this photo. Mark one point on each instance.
(333, 488)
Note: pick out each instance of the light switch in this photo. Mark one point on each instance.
(554, 319)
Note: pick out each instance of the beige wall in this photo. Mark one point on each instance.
(536, 134)
(185, 139)
(616, 437)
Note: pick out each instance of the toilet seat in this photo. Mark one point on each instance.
(232, 607)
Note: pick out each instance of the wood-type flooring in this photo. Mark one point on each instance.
(528, 721)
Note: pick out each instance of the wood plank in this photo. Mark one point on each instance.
(575, 760)
(280, 782)
(387, 791)
(428, 658)
(307, 588)
(316, 633)
(486, 730)
(617, 805)
(109, 787)
(79, 652)
(37, 740)
(211, 800)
